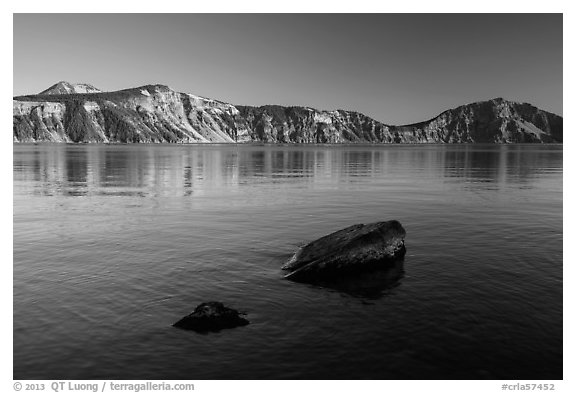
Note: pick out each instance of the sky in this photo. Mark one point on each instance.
(396, 68)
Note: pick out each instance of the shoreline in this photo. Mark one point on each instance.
(285, 144)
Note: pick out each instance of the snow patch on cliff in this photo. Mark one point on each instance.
(531, 128)
(323, 117)
(91, 106)
(84, 88)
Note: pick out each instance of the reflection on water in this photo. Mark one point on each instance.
(136, 170)
(370, 285)
(113, 244)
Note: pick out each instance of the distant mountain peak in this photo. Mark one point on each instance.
(155, 113)
(504, 101)
(64, 87)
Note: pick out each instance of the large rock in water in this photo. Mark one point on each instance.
(211, 317)
(349, 252)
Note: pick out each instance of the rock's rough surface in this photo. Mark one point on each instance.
(158, 114)
(348, 252)
(211, 317)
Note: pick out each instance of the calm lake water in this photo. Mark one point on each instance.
(113, 244)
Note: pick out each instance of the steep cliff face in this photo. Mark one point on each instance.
(157, 114)
(39, 121)
(279, 124)
(493, 121)
(148, 114)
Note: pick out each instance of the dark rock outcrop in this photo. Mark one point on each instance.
(211, 317)
(349, 252)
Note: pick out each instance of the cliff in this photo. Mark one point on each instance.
(493, 121)
(158, 114)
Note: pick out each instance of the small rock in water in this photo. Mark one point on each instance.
(211, 317)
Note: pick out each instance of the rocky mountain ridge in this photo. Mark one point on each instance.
(64, 87)
(158, 114)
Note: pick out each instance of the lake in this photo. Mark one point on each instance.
(114, 243)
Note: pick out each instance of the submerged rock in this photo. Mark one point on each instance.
(349, 252)
(368, 285)
(211, 317)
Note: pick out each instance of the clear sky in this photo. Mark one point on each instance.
(396, 68)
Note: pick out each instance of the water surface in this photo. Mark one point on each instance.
(113, 244)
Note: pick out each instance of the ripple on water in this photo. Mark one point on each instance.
(109, 254)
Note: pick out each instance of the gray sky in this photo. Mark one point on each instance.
(395, 68)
